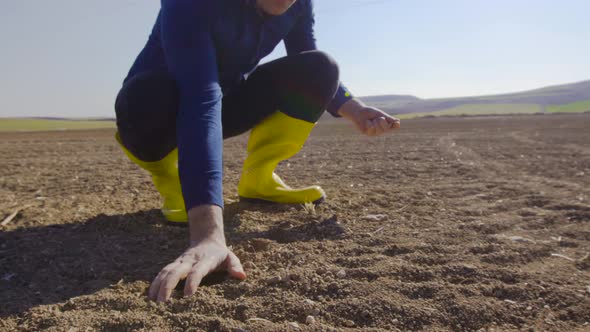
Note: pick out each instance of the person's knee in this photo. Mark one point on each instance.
(147, 97)
(324, 69)
(146, 109)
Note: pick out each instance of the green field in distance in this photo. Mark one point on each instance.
(11, 124)
(480, 109)
(35, 124)
(499, 109)
(577, 107)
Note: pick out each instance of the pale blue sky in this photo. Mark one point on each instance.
(68, 57)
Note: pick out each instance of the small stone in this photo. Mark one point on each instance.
(293, 324)
(274, 280)
(294, 277)
(261, 244)
(517, 238)
(529, 308)
(321, 270)
(366, 314)
(341, 274)
(375, 217)
(333, 287)
(348, 323)
(310, 320)
(546, 306)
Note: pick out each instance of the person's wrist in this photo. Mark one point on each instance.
(206, 224)
(349, 108)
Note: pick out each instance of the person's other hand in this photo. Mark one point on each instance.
(368, 120)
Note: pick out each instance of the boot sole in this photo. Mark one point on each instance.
(264, 201)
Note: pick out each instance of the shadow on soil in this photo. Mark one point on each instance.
(50, 264)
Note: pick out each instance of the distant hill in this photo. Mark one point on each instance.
(573, 97)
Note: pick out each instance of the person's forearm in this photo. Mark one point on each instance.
(350, 107)
(206, 223)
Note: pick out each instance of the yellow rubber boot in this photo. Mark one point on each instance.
(276, 138)
(165, 177)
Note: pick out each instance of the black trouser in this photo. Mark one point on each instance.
(300, 86)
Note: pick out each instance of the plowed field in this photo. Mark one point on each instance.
(457, 224)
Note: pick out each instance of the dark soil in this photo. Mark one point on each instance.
(459, 224)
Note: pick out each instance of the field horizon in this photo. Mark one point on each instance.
(564, 98)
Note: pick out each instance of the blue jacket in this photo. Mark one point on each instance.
(209, 46)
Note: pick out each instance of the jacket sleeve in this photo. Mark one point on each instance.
(301, 38)
(190, 57)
